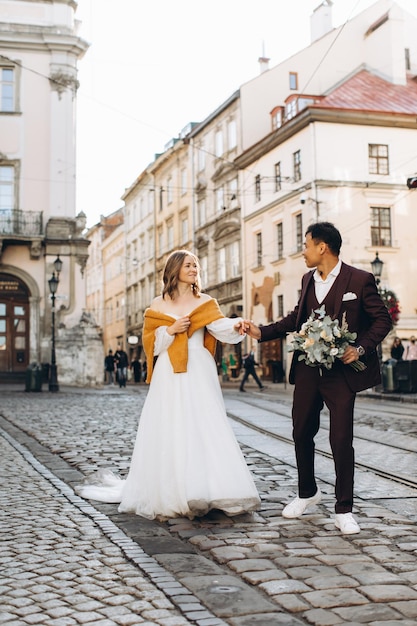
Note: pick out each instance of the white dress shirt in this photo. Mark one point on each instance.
(323, 287)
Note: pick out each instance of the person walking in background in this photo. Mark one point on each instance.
(397, 349)
(109, 363)
(249, 365)
(136, 368)
(122, 363)
(349, 295)
(186, 460)
(411, 350)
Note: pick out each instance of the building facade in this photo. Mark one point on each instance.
(39, 52)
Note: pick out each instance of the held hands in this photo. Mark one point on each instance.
(181, 325)
(249, 328)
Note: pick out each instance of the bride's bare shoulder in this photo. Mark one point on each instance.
(204, 297)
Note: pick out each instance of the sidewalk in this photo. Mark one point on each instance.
(68, 562)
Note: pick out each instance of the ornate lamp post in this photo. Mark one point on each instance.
(53, 286)
(377, 266)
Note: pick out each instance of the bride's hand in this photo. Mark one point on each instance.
(181, 325)
(240, 328)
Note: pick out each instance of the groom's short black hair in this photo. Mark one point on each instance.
(328, 233)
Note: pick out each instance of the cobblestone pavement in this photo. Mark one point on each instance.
(65, 561)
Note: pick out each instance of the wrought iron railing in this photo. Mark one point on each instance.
(22, 223)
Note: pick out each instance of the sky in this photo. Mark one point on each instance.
(153, 66)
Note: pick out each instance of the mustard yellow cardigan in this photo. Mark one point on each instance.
(202, 315)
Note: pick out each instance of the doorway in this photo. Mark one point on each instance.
(14, 324)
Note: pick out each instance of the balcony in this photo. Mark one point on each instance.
(21, 224)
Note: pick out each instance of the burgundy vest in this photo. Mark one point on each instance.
(311, 302)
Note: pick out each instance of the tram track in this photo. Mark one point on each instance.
(410, 450)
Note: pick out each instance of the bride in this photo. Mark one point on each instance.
(186, 460)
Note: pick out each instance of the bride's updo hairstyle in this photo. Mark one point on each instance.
(172, 270)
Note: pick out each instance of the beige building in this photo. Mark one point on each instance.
(39, 52)
(339, 142)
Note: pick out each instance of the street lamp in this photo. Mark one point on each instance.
(377, 266)
(53, 286)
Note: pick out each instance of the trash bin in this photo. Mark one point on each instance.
(407, 376)
(389, 377)
(34, 377)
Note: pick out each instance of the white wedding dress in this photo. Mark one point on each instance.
(186, 460)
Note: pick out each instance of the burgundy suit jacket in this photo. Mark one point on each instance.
(366, 315)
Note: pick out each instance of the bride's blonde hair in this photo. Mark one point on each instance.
(172, 270)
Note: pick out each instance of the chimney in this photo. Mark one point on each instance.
(321, 21)
(263, 60)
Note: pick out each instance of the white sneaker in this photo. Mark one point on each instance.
(297, 507)
(346, 523)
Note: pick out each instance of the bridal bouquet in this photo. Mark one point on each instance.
(321, 340)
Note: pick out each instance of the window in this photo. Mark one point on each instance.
(219, 199)
(234, 259)
(257, 187)
(259, 250)
(201, 212)
(297, 165)
(277, 176)
(7, 90)
(184, 230)
(380, 226)
(151, 243)
(160, 241)
(151, 196)
(291, 109)
(231, 135)
(169, 190)
(201, 158)
(7, 184)
(293, 80)
(298, 232)
(218, 143)
(183, 181)
(378, 158)
(170, 236)
(221, 265)
(277, 117)
(407, 59)
(280, 306)
(233, 192)
(280, 241)
(204, 270)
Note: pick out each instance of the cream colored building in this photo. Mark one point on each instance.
(39, 52)
(335, 141)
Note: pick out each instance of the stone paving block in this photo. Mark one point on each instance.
(311, 570)
(367, 614)
(331, 582)
(407, 608)
(275, 587)
(291, 603)
(389, 593)
(329, 598)
(250, 565)
(255, 578)
(320, 617)
(223, 555)
(265, 619)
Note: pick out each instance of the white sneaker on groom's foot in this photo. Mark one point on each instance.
(346, 523)
(297, 507)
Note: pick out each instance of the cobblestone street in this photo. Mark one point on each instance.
(66, 561)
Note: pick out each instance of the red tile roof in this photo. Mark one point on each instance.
(367, 92)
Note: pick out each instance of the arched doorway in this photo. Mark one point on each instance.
(14, 324)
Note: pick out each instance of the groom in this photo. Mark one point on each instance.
(343, 290)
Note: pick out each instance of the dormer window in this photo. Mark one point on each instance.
(293, 81)
(277, 117)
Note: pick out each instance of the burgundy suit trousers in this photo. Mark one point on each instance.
(314, 389)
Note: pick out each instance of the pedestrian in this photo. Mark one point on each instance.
(136, 368)
(350, 295)
(186, 460)
(109, 367)
(144, 371)
(411, 350)
(122, 363)
(249, 364)
(397, 349)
